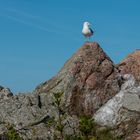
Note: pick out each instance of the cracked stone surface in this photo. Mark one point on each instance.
(30, 114)
(123, 110)
(88, 79)
(92, 85)
(131, 65)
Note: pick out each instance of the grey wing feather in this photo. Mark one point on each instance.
(91, 30)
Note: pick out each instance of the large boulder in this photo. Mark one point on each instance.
(88, 79)
(122, 112)
(131, 65)
(31, 116)
(20, 112)
(88, 84)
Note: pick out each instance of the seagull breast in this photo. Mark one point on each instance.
(87, 31)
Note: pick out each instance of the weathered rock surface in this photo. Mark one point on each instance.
(5, 92)
(88, 80)
(131, 65)
(91, 85)
(20, 111)
(123, 110)
(30, 115)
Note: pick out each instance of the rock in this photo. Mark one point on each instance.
(20, 111)
(129, 81)
(91, 85)
(32, 116)
(123, 110)
(5, 92)
(131, 65)
(88, 79)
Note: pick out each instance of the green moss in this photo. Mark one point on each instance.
(106, 135)
(12, 134)
(88, 129)
(86, 125)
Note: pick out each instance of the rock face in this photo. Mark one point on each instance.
(131, 65)
(5, 92)
(21, 111)
(88, 80)
(123, 110)
(32, 116)
(91, 85)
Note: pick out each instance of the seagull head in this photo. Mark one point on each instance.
(86, 24)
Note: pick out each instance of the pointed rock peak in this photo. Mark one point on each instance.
(92, 49)
(90, 54)
(91, 46)
(88, 80)
(88, 45)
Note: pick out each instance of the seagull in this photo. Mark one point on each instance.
(87, 31)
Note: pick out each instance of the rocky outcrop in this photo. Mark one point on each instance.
(131, 65)
(20, 111)
(5, 92)
(88, 79)
(123, 110)
(32, 116)
(88, 84)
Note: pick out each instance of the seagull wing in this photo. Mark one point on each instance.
(91, 31)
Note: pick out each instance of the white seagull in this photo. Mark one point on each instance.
(87, 31)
